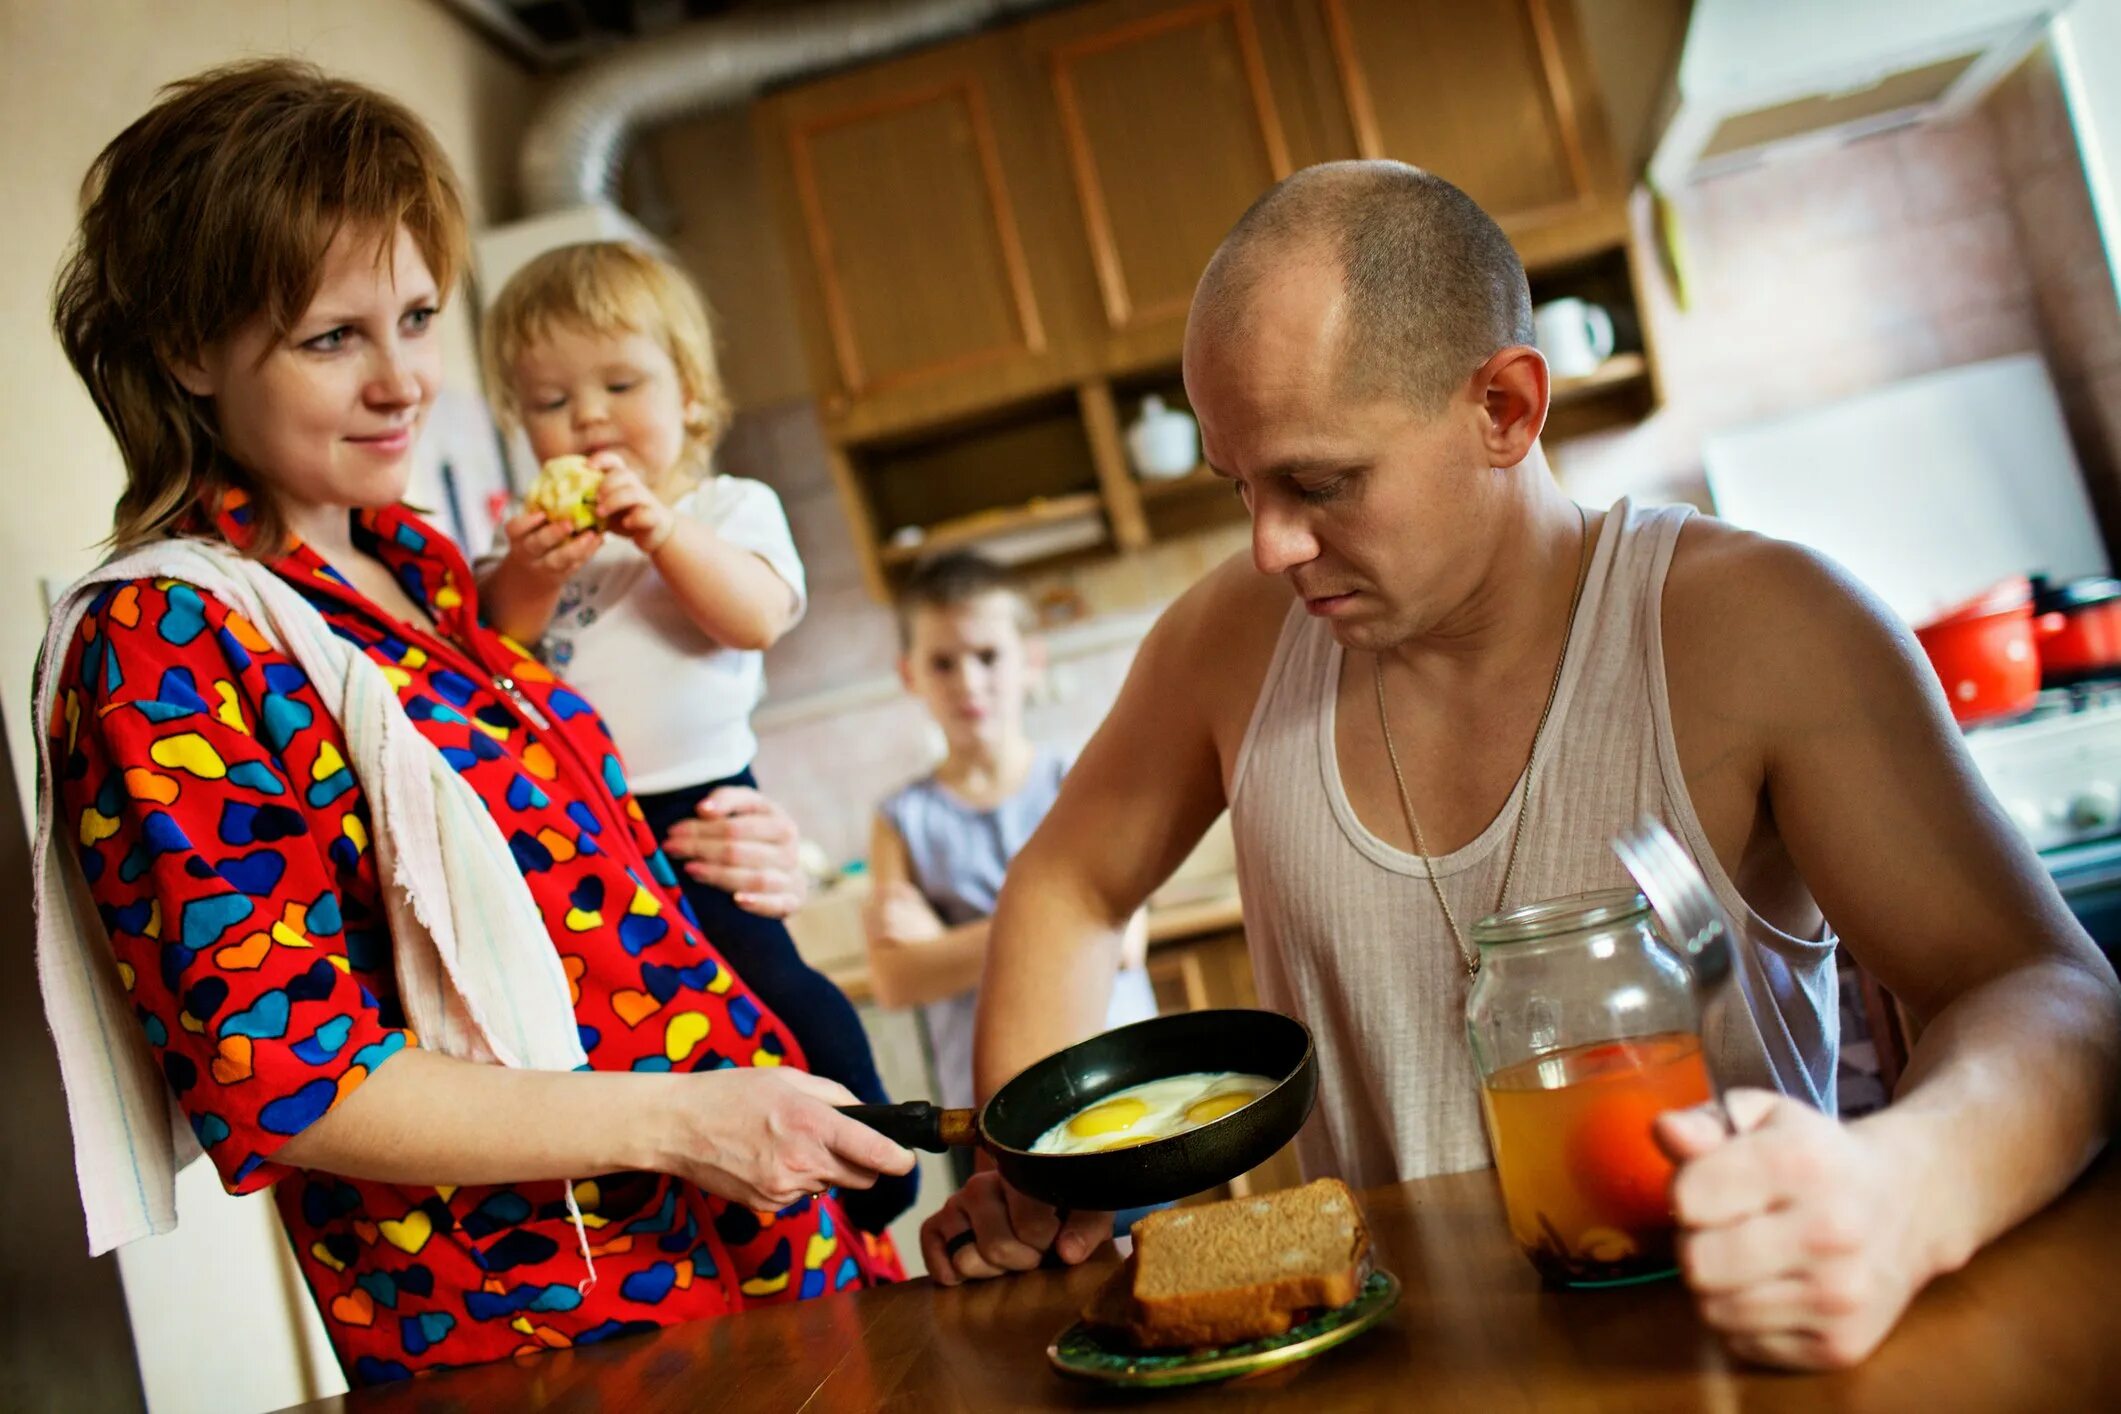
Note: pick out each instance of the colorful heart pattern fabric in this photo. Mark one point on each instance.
(228, 849)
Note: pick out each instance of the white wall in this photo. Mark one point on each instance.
(214, 1322)
(73, 75)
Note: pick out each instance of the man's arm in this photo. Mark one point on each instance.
(1132, 807)
(1806, 1238)
(1134, 804)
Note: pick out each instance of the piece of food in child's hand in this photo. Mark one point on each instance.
(566, 491)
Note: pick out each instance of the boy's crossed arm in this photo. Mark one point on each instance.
(914, 957)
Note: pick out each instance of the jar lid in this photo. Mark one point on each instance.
(1569, 914)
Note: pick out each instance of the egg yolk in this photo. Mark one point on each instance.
(1216, 1106)
(1125, 1141)
(1111, 1117)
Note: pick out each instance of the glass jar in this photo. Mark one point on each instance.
(1585, 1028)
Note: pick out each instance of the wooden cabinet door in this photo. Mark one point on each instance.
(1495, 95)
(929, 284)
(1171, 120)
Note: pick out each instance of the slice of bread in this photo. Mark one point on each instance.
(1238, 1270)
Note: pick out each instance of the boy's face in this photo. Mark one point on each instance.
(583, 392)
(972, 666)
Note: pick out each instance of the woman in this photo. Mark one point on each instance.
(251, 303)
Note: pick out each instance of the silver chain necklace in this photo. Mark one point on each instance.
(1406, 804)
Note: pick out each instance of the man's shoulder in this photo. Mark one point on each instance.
(1726, 577)
(1767, 616)
(1224, 628)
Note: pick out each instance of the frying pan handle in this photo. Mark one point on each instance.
(918, 1124)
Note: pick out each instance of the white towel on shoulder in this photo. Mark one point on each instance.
(475, 966)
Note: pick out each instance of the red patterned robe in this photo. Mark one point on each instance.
(227, 846)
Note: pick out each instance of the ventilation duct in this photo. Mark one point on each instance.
(578, 138)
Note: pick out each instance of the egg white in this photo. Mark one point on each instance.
(1156, 1109)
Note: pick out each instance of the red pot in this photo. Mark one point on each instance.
(2077, 628)
(1983, 653)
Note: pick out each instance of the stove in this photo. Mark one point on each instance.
(2057, 773)
(2057, 769)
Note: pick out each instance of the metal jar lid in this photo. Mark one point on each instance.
(1552, 917)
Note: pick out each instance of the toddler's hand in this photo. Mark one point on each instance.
(627, 506)
(549, 549)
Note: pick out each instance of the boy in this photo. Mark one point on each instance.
(941, 845)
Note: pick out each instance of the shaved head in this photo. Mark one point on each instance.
(1431, 287)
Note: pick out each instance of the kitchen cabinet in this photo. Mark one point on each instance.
(1493, 97)
(915, 198)
(1173, 118)
(996, 240)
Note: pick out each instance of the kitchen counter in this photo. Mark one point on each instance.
(2028, 1324)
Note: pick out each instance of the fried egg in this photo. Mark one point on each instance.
(1157, 1109)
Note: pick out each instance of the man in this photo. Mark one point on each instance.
(1477, 685)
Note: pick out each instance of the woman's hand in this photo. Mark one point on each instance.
(766, 1137)
(546, 550)
(629, 508)
(744, 844)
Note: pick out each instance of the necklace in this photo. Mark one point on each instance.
(1406, 804)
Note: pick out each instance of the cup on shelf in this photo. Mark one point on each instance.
(1575, 335)
(1163, 442)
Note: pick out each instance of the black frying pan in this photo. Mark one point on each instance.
(1252, 1042)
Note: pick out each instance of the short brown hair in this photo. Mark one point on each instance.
(1433, 285)
(609, 287)
(214, 207)
(950, 579)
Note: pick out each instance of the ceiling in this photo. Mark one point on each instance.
(555, 33)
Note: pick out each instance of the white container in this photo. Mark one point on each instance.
(1576, 336)
(1164, 442)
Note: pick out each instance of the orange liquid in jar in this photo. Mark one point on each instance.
(1586, 1188)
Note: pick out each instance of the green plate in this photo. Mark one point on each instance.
(1085, 1352)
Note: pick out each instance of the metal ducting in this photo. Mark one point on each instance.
(576, 141)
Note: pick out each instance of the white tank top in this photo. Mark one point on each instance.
(1345, 933)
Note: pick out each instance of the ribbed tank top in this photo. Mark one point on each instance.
(1345, 934)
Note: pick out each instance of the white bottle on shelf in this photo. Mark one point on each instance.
(1163, 442)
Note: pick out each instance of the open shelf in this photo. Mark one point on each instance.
(989, 525)
(1192, 483)
(1620, 369)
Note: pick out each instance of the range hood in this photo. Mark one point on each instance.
(1763, 78)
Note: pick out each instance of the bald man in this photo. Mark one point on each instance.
(1439, 687)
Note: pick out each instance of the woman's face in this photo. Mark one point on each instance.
(326, 417)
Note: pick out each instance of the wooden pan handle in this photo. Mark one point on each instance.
(918, 1124)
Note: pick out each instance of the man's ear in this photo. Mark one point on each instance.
(1512, 389)
(1035, 655)
(905, 671)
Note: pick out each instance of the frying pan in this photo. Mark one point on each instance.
(1050, 1091)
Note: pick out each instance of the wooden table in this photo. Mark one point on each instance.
(2033, 1323)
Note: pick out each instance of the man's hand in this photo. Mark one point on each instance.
(743, 843)
(1008, 1232)
(1800, 1236)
